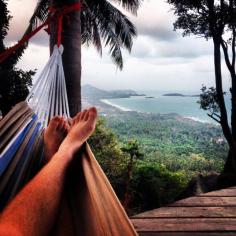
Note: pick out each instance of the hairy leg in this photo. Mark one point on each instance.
(33, 211)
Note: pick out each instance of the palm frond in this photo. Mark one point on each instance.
(40, 15)
(100, 20)
(113, 41)
(89, 29)
(130, 5)
(115, 28)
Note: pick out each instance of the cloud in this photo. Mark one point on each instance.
(189, 47)
(185, 48)
(158, 31)
(160, 60)
(146, 74)
(22, 10)
(35, 57)
(155, 20)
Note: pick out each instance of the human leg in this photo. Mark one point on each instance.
(33, 211)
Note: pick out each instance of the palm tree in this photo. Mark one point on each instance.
(133, 149)
(99, 23)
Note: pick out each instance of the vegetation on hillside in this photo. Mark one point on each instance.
(215, 20)
(178, 143)
(172, 151)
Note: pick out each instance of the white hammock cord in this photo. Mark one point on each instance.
(48, 96)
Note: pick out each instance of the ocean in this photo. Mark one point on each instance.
(184, 106)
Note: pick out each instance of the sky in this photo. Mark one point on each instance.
(161, 59)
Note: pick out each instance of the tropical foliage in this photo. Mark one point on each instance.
(180, 144)
(209, 102)
(215, 19)
(172, 152)
(101, 24)
(14, 82)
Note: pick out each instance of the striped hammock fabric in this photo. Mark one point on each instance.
(89, 205)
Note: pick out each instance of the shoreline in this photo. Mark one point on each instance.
(197, 119)
(123, 109)
(114, 105)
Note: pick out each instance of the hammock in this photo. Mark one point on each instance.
(89, 205)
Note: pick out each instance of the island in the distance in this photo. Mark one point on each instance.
(178, 95)
(91, 91)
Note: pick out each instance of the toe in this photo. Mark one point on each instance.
(54, 123)
(65, 126)
(65, 130)
(60, 124)
(69, 121)
(73, 121)
(83, 115)
(86, 116)
(77, 117)
(92, 113)
(55, 119)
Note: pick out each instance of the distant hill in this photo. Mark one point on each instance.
(173, 94)
(89, 91)
(178, 95)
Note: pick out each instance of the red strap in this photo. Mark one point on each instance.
(59, 14)
(9, 51)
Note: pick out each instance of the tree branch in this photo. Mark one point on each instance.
(217, 115)
(219, 89)
(215, 119)
(233, 47)
(226, 54)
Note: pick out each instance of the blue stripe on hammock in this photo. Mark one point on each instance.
(13, 184)
(7, 157)
(22, 165)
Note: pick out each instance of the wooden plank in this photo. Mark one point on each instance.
(182, 225)
(187, 233)
(206, 201)
(186, 212)
(223, 193)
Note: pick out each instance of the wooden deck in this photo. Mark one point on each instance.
(212, 214)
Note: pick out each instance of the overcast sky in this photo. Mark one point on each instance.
(161, 59)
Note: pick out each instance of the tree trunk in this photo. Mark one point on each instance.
(71, 40)
(219, 90)
(228, 168)
(230, 162)
(231, 67)
(233, 103)
(127, 197)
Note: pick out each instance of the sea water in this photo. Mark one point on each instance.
(186, 106)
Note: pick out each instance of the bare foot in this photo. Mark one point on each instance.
(83, 125)
(53, 136)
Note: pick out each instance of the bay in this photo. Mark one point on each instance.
(155, 102)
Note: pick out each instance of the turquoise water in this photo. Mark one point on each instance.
(184, 106)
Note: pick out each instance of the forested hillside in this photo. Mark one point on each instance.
(178, 143)
(150, 159)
